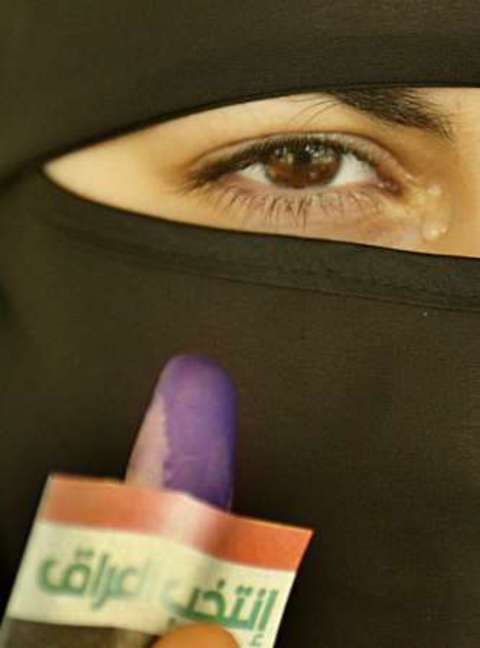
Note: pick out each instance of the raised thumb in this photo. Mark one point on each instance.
(187, 439)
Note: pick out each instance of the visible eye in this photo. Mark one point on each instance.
(334, 185)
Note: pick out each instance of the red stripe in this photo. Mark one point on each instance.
(105, 503)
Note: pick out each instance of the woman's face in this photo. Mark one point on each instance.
(388, 167)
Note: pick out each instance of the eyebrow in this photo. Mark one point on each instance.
(397, 105)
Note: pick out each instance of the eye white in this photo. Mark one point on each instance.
(351, 170)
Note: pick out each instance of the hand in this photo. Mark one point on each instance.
(197, 635)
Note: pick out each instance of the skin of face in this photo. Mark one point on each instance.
(143, 170)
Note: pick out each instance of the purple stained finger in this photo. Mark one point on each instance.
(187, 438)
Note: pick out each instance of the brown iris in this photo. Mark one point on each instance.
(300, 167)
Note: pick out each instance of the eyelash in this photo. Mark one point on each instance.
(336, 205)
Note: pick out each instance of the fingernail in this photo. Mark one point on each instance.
(187, 438)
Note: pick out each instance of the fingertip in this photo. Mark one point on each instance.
(197, 635)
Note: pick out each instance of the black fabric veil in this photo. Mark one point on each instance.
(357, 366)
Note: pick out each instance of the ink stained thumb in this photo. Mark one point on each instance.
(187, 438)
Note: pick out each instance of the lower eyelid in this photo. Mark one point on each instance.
(383, 213)
(226, 195)
(359, 216)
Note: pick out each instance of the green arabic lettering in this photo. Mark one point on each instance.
(43, 576)
(75, 577)
(217, 598)
(194, 610)
(173, 606)
(257, 639)
(113, 582)
(188, 611)
(98, 575)
(107, 591)
(233, 620)
(268, 609)
(140, 574)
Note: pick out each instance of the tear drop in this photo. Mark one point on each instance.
(436, 219)
(433, 231)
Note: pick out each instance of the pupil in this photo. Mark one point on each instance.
(300, 167)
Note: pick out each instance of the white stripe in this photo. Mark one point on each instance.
(52, 548)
